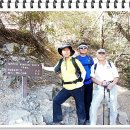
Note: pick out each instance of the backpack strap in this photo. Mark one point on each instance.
(58, 67)
(78, 72)
(95, 66)
(88, 64)
(110, 64)
(91, 60)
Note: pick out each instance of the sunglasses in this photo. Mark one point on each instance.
(103, 53)
(81, 48)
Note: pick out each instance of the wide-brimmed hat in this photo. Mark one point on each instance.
(66, 46)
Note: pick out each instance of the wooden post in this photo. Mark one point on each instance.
(24, 86)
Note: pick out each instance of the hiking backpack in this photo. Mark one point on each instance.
(95, 66)
(78, 72)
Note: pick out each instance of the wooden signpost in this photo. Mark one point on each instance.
(23, 69)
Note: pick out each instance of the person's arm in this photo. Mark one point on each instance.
(101, 83)
(97, 82)
(48, 68)
(110, 86)
(115, 81)
(83, 74)
(116, 76)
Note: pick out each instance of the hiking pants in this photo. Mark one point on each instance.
(98, 95)
(63, 95)
(88, 89)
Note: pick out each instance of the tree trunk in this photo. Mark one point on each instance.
(123, 32)
(102, 31)
(1, 24)
(30, 24)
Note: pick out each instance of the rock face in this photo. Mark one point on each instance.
(13, 48)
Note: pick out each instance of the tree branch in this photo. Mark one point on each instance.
(120, 28)
(122, 53)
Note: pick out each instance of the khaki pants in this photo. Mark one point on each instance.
(98, 95)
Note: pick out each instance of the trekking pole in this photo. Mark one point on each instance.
(104, 106)
(104, 100)
(108, 107)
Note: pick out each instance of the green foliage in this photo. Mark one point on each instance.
(70, 22)
(29, 20)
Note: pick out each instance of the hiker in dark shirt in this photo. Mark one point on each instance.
(87, 62)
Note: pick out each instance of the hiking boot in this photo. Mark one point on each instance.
(87, 122)
(58, 123)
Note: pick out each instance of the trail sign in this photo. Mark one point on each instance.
(23, 69)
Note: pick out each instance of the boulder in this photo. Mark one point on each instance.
(31, 103)
(11, 48)
(47, 111)
(15, 116)
(70, 119)
(67, 108)
(123, 118)
(24, 49)
(1, 93)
